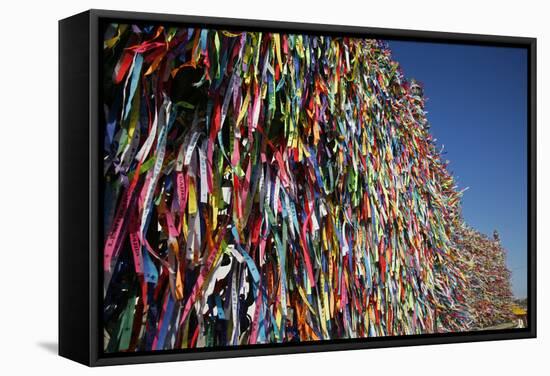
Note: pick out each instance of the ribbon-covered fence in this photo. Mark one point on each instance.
(265, 188)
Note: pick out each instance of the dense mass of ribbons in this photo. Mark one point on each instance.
(267, 188)
(487, 289)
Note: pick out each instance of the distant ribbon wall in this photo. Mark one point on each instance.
(267, 188)
(487, 288)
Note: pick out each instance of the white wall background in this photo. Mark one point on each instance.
(28, 189)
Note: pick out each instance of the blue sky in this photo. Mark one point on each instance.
(477, 108)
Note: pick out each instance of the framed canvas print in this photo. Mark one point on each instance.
(240, 187)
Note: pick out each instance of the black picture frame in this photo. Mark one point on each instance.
(80, 242)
